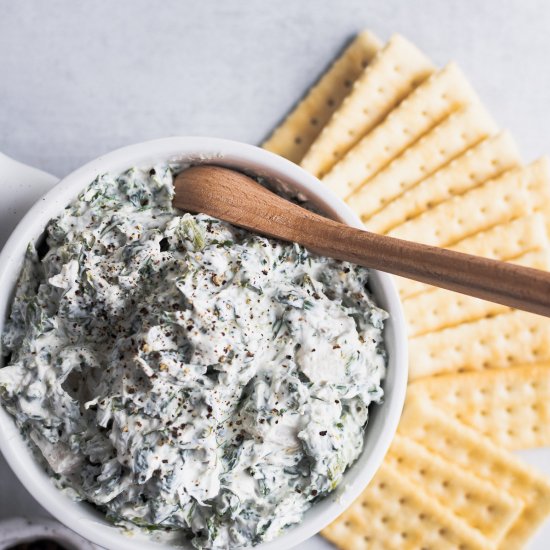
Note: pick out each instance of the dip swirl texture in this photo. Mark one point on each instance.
(180, 373)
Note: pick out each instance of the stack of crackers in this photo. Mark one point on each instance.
(414, 153)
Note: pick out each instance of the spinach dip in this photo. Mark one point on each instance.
(184, 375)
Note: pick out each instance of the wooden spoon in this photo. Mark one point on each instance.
(238, 199)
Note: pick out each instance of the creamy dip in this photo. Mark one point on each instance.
(182, 374)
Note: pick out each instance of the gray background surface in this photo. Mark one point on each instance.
(78, 79)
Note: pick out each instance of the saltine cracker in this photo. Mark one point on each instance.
(502, 341)
(443, 93)
(487, 508)
(509, 406)
(297, 132)
(395, 514)
(486, 160)
(395, 71)
(454, 135)
(464, 446)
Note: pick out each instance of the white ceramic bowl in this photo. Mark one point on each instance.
(81, 517)
(22, 530)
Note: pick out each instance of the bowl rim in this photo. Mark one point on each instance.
(90, 524)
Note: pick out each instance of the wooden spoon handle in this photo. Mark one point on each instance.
(508, 284)
(247, 204)
(505, 283)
